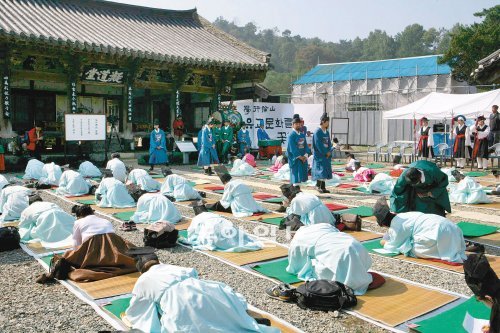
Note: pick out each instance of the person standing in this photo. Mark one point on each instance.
(178, 126)
(244, 139)
(34, 145)
(207, 154)
(322, 155)
(462, 140)
(216, 132)
(303, 128)
(494, 126)
(298, 151)
(481, 132)
(425, 140)
(157, 146)
(226, 137)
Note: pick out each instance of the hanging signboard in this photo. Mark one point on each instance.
(73, 104)
(98, 74)
(85, 127)
(177, 103)
(130, 103)
(6, 101)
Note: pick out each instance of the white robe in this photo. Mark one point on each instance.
(335, 181)
(118, 169)
(46, 223)
(283, 173)
(310, 209)
(3, 182)
(422, 235)
(33, 169)
(448, 171)
(16, 203)
(350, 164)
(72, 184)
(88, 169)
(179, 188)
(211, 232)
(141, 178)
(114, 194)
(51, 173)
(241, 168)
(320, 251)
(88, 227)
(8, 191)
(154, 207)
(238, 196)
(468, 191)
(382, 183)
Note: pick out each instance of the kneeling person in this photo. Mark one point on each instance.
(72, 183)
(178, 187)
(141, 178)
(88, 225)
(154, 207)
(113, 193)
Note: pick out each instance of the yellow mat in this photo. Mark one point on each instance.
(491, 239)
(244, 258)
(115, 286)
(492, 205)
(37, 248)
(83, 197)
(183, 224)
(397, 302)
(363, 236)
(10, 224)
(112, 210)
(263, 216)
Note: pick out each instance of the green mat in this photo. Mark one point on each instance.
(375, 244)
(157, 176)
(451, 320)
(362, 211)
(476, 173)
(219, 191)
(118, 306)
(124, 216)
(338, 163)
(272, 220)
(362, 189)
(87, 202)
(192, 184)
(374, 166)
(96, 179)
(47, 259)
(277, 270)
(183, 233)
(268, 177)
(274, 200)
(470, 229)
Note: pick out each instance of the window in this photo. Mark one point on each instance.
(31, 107)
(201, 115)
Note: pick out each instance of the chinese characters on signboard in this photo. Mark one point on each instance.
(72, 97)
(6, 101)
(130, 103)
(80, 127)
(103, 75)
(177, 104)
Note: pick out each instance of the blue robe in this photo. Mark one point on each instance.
(262, 134)
(141, 178)
(420, 235)
(207, 154)
(88, 169)
(322, 165)
(211, 232)
(198, 144)
(46, 223)
(113, 194)
(154, 207)
(310, 209)
(158, 148)
(297, 146)
(238, 196)
(320, 251)
(33, 169)
(179, 188)
(244, 140)
(72, 183)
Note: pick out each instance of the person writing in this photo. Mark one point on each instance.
(34, 146)
(178, 126)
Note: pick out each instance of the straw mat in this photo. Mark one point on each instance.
(118, 285)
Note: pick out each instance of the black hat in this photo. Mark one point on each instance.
(107, 173)
(479, 276)
(166, 171)
(413, 176)
(289, 191)
(481, 118)
(223, 174)
(115, 155)
(381, 210)
(460, 117)
(199, 207)
(156, 122)
(296, 119)
(324, 117)
(424, 119)
(357, 164)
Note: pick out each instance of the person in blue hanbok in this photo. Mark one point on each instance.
(178, 188)
(113, 193)
(297, 151)
(241, 168)
(8, 191)
(237, 198)
(198, 143)
(51, 173)
(211, 232)
(169, 298)
(308, 207)
(322, 155)
(34, 169)
(141, 178)
(157, 146)
(321, 252)
(420, 235)
(467, 191)
(207, 153)
(88, 170)
(117, 167)
(261, 132)
(244, 139)
(47, 223)
(154, 207)
(72, 183)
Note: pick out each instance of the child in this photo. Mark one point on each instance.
(362, 174)
(350, 162)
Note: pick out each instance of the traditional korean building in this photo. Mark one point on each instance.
(133, 63)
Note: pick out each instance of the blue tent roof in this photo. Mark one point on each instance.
(427, 65)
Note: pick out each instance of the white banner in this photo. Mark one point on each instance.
(277, 118)
(85, 127)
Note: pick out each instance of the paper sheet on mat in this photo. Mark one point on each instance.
(383, 251)
(474, 325)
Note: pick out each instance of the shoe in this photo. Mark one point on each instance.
(323, 187)
(209, 171)
(151, 169)
(282, 209)
(474, 247)
(282, 292)
(202, 194)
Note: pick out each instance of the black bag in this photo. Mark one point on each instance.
(325, 295)
(9, 239)
(292, 221)
(160, 235)
(135, 191)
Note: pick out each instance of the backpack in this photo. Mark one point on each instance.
(160, 235)
(325, 295)
(292, 221)
(9, 239)
(135, 191)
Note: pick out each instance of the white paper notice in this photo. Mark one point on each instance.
(474, 325)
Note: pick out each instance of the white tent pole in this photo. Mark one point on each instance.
(452, 132)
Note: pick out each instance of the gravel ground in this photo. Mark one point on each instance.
(51, 308)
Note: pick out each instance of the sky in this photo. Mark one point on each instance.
(332, 20)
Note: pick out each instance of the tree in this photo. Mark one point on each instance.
(410, 41)
(378, 45)
(469, 44)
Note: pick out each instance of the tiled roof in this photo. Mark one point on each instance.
(102, 26)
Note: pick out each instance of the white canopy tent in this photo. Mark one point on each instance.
(445, 106)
